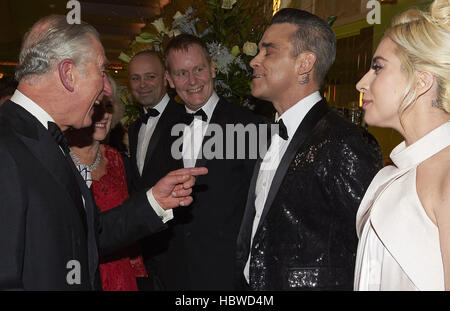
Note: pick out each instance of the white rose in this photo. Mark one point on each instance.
(250, 48)
(228, 4)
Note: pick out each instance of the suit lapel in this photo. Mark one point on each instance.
(43, 147)
(303, 131)
(245, 232)
(91, 213)
(218, 117)
(162, 128)
(133, 133)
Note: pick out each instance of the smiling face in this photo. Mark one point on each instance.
(147, 81)
(89, 89)
(383, 87)
(274, 67)
(102, 119)
(191, 74)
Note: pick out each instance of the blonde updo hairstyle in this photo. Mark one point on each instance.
(423, 44)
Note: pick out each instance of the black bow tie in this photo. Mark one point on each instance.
(150, 113)
(58, 136)
(189, 117)
(282, 131)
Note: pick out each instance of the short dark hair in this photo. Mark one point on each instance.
(313, 34)
(150, 53)
(182, 42)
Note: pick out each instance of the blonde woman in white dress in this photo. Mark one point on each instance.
(403, 222)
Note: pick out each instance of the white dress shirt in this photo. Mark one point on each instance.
(43, 117)
(291, 119)
(194, 133)
(146, 132)
(30, 106)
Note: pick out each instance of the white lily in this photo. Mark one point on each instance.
(159, 25)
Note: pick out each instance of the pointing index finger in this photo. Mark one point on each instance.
(193, 171)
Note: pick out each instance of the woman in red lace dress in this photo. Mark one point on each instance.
(102, 168)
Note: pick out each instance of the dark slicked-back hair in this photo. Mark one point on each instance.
(313, 34)
(182, 43)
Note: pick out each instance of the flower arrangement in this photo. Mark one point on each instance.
(230, 29)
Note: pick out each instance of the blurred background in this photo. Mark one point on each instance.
(121, 22)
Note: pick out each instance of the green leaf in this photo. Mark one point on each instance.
(331, 19)
(148, 36)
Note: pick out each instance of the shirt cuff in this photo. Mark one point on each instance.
(164, 215)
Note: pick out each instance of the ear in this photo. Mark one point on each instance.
(213, 70)
(305, 62)
(165, 80)
(424, 82)
(66, 74)
(107, 88)
(169, 79)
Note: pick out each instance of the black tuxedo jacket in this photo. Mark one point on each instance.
(306, 236)
(44, 225)
(199, 247)
(157, 159)
(158, 162)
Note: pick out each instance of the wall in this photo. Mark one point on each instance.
(347, 11)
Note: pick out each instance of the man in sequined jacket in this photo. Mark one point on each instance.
(298, 230)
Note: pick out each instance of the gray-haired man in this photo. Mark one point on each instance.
(51, 234)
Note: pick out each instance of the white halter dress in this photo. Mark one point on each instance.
(399, 245)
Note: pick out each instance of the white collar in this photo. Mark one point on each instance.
(295, 114)
(409, 156)
(33, 108)
(209, 107)
(161, 105)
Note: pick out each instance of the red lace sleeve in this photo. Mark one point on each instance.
(111, 190)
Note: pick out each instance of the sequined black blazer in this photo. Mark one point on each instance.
(306, 238)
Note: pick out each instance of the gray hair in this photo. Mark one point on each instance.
(51, 40)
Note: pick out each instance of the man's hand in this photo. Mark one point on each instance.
(175, 188)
